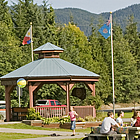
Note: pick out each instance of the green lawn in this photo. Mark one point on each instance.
(126, 115)
(24, 126)
(11, 136)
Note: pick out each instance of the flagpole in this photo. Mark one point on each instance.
(31, 42)
(112, 65)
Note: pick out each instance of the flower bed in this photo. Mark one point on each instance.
(58, 125)
(33, 122)
(34, 119)
(51, 125)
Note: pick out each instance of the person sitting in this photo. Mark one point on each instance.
(119, 119)
(134, 118)
(108, 125)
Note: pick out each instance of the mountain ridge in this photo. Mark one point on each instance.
(84, 18)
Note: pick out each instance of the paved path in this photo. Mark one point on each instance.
(60, 134)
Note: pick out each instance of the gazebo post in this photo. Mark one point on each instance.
(68, 97)
(31, 95)
(8, 90)
(33, 88)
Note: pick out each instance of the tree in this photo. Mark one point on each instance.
(125, 69)
(49, 30)
(133, 38)
(9, 50)
(100, 56)
(76, 51)
(75, 44)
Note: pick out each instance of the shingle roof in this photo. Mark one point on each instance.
(49, 67)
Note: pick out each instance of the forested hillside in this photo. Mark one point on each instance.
(84, 18)
(92, 51)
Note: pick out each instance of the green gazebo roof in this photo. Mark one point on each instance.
(49, 68)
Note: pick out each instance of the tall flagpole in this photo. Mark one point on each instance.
(31, 42)
(112, 65)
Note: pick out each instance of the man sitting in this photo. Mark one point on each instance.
(119, 119)
(108, 124)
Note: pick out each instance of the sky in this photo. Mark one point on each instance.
(93, 6)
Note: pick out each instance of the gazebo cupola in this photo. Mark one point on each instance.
(48, 50)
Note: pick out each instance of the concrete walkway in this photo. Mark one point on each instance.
(59, 134)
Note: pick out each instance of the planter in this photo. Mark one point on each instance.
(58, 125)
(33, 122)
(65, 125)
(68, 125)
(51, 125)
(80, 125)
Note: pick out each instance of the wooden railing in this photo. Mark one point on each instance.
(84, 111)
(49, 112)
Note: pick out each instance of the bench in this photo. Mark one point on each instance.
(95, 133)
(104, 137)
(19, 113)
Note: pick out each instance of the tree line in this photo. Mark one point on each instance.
(90, 52)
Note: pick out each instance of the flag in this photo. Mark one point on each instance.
(27, 38)
(105, 30)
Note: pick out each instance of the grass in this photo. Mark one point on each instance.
(24, 126)
(126, 115)
(11, 136)
(101, 115)
(74, 139)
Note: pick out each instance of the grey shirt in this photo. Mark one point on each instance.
(120, 121)
(106, 125)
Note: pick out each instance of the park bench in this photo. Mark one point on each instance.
(19, 113)
(95, 135)
(104, 137)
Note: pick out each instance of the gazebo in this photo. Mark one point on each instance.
(47, 69)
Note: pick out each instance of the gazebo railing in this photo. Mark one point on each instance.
(84, 111)
(49, 112)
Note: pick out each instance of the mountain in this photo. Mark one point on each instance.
(84, 18)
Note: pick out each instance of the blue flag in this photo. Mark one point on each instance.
(105, 30)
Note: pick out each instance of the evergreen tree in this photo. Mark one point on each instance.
(125, 69)
(49, 25)
(9, 52)
(100, 49)
(133, 38)
(5, 16)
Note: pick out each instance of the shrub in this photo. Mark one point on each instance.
(1, 117)
(50, 120)
(100, 115)
(80, 119)
(89, 119)
(32, 115)
(64, 120)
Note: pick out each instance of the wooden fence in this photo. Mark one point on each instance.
(49, 112)
(84, 111)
